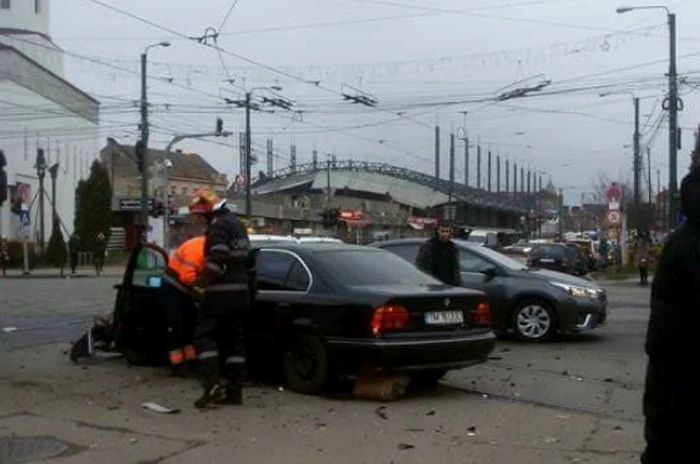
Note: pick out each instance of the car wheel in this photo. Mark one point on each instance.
(305, 364)
(428, 378)
(533, 320)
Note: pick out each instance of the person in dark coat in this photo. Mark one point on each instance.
(73, 247)
(671, 401)
(439, 257)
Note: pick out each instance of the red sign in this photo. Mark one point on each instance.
(614, 193)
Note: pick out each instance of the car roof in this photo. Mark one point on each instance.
(419, 240)
(313, 247)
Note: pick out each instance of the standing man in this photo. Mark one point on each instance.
(671, 401)
(225, 286)
(642, 253)
(98, 252)
(439, 257)
(4, 255)
(73, 246)
(185, 266)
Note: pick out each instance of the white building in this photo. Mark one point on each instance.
(40, 109)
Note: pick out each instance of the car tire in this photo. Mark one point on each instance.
(428, 379)
(305, 363)
(534, 321)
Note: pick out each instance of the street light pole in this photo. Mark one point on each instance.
(248, 199)
(144, 134)
(672, 105)
(637, 166)
(166, 179)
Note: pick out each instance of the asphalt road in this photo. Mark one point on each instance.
(600, 372)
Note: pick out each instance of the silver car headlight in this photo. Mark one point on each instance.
(576, 291)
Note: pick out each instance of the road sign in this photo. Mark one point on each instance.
(614, 217)
(24, 218)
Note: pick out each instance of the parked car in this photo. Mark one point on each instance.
(530, 302)
(556, 257)
(325, 311)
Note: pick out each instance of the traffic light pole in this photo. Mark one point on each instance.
(166, 180)
(144, 146)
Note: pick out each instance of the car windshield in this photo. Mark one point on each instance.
(372, 267)
(496, 257)
(554, 251)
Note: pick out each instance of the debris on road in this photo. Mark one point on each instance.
(405, 446)
(9, 329)
(430, 413)
(471, 431)
(160, 409)
(381, 388)
(381, 412)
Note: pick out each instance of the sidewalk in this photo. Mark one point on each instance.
(95, 409)
(48, 273)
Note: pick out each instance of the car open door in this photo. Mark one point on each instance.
(140, 327)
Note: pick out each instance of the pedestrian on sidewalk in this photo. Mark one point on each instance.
(671, 400)
(4, 255)
(98, 252)
(642, 254)
(73, 247)
(439, 257)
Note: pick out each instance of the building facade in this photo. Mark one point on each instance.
(187, 172)
(40, 110)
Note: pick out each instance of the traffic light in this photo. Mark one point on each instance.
(219, 125)
(140, 156)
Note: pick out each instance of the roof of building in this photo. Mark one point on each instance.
(401, 191)
(190, 166)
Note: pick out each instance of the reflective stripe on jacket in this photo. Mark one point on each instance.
(187, 262)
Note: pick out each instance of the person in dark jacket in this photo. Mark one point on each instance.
(226, 297)
(73, 248)
(671, 402)
(439, 257)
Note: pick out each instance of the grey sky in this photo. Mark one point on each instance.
(439, 51)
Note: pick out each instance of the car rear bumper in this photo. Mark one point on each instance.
(415, 354)
(578, 315)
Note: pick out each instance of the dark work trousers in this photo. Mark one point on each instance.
(73, 261)
(180, 315)
(221, 333)
(644, 274)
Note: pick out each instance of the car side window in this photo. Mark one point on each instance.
(281, 272)
(298, 279)
(469, 262)
(407, 252)
(149, 265)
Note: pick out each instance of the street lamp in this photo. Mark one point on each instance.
(144, 134)
(671, 104)
(637, 155)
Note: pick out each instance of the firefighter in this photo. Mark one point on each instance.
(226, 285)
(185, 265)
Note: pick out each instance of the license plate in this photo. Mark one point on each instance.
(444, 317)
(547, 260)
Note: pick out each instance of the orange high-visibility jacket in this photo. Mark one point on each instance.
(187, 262)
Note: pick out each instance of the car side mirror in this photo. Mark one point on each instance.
(490, 272)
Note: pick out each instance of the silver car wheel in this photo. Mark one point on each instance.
(533, 322)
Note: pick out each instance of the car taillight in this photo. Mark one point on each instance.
(481, 315)
(389, 317)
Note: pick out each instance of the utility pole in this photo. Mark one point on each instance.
(507, 175)
(489, 172)
(452, 170)
(637, 168)
(673, 124)
(437, 157)
(522, 179)
(515, 178)
(649, 177)
(41, 167)
(478, 166)
(328, 181)
(270, 158)
(498, 174)
(466, 161)
(142, 149)
(248, 104)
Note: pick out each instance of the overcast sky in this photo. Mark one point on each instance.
(424, 62)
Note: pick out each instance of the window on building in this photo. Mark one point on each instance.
(37, 6)
(5, 4)
(184, 190)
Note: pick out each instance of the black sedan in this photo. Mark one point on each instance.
(326, 311)
(533, 303)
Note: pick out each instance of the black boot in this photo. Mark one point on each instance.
(208, 374)
(228, 393)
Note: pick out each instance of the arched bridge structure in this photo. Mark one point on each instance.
(412, 188)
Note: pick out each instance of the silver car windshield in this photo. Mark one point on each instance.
(492, 255)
